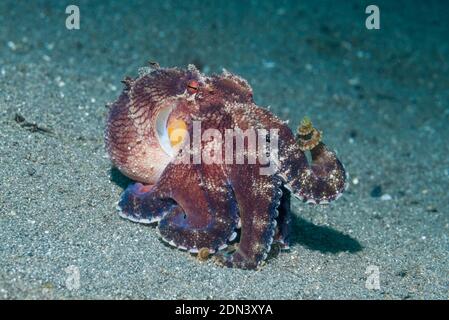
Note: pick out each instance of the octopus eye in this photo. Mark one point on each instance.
(192, 86)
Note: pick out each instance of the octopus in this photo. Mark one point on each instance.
(227, 209)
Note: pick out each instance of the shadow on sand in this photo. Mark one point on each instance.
(119, 179)
(321, 238)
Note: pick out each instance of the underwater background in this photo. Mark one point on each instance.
(381, 98)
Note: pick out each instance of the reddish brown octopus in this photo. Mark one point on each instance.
(214, 206)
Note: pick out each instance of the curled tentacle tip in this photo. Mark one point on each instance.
(305, 127)
(308, 137)
(203, 254)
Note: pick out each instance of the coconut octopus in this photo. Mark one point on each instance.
(215, 206)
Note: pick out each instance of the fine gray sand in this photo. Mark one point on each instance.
(380, 96)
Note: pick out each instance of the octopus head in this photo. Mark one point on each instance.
(147, 125)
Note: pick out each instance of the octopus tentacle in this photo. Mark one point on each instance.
(321, 181)
(258, 198)
(284, 219)
(208, 214)
(325, 179)
(139, 204)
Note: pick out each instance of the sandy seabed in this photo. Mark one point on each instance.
(380, 96)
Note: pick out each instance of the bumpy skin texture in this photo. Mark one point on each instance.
(204, 205)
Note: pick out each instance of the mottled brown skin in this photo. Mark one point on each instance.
(203, 206)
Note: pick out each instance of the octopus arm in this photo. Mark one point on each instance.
(284, 221)
(140, 203)
(207, 214)
(258, 197)
(194, 205)
(322, 181)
